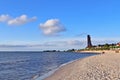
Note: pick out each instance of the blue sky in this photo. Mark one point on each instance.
(53, 24)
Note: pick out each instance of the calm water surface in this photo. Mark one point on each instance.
(26, 65)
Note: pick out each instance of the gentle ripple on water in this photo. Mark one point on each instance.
(26, 65)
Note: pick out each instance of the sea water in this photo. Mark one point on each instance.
(30, 65)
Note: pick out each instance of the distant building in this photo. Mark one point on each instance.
(118, 44)
(89, 44)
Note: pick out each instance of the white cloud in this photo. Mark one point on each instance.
(4, 18)
(74, 42)
(51, 45)
(52, 27)
(57, 43)
(23, 19)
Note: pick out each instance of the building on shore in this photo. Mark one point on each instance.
(89, 43)
(118, 44)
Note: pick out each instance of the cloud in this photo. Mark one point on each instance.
(4, 18)
(26, 45)
(12, 46)
(97, 41)
(74, 42)
(58, 44)
(51, 45)
(23, 19)
(81, 34)
(52, 27)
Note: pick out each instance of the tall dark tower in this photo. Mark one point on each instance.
(89, 44)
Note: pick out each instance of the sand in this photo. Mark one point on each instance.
(100, 51)
(98, 67)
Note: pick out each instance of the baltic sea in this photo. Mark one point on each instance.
(30, 65)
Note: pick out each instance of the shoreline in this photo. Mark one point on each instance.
(56, 69)
(81, 69)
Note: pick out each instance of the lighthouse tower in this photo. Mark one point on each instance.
(89, 44)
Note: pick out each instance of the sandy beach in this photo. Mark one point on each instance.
(100, 51)
(98, 67)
